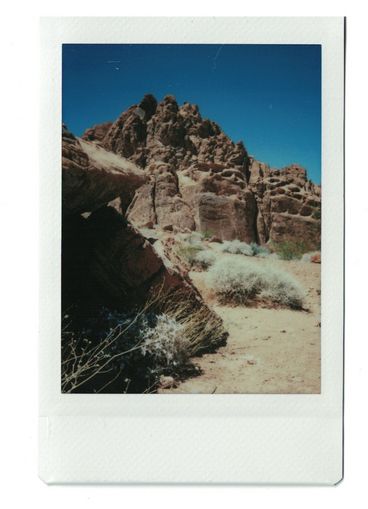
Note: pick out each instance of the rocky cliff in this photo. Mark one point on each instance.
(199, 179)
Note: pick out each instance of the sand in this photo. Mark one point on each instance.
(269, 351)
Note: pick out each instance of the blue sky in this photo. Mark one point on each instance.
(269, 96)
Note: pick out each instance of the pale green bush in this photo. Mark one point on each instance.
(236, 247)
(289, 250)
(204, 259)
(282, 288)
(240, 281)
(194, 239)
(260, 251)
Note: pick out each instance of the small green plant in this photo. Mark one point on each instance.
(289, 250)
(207, 234)
(136, 348)
(188, 252)
(260, 251)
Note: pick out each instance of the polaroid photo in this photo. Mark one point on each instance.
(192, 217)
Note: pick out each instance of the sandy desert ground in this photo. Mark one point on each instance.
(268, 350)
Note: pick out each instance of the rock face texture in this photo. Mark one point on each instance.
(106, 261)
(288, 205)
(97, 132)
(92, 177)
(199, 179)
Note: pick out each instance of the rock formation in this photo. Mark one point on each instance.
(97, 132)
(161, 165)
(106, 261)
(92, 176)
(198, 179)
(288, 205)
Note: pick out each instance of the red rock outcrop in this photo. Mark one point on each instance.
(199, 179)
(92, 176)
(97, 132)
(288, 205)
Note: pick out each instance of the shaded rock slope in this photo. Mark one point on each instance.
(199, 179)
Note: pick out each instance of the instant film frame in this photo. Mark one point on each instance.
(254, 439)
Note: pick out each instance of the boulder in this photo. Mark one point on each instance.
(91, 176)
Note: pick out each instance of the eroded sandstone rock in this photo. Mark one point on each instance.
(288, 205)
(97, 132)
(91, 176)
(199, 179)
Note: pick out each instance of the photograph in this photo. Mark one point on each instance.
(191, 219)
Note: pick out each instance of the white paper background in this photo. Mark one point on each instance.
(193, 438)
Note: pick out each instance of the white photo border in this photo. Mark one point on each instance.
(185, 438)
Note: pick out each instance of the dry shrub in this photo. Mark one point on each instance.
(188, 248)
(88, 355)
(188, 253)
(258, 250)
(241, 281)
(157, 340)
(204, 259)
(289, 250)
(236, 247)
(203, 329)
(165, 342)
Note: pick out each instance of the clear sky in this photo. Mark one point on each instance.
(268, 96)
